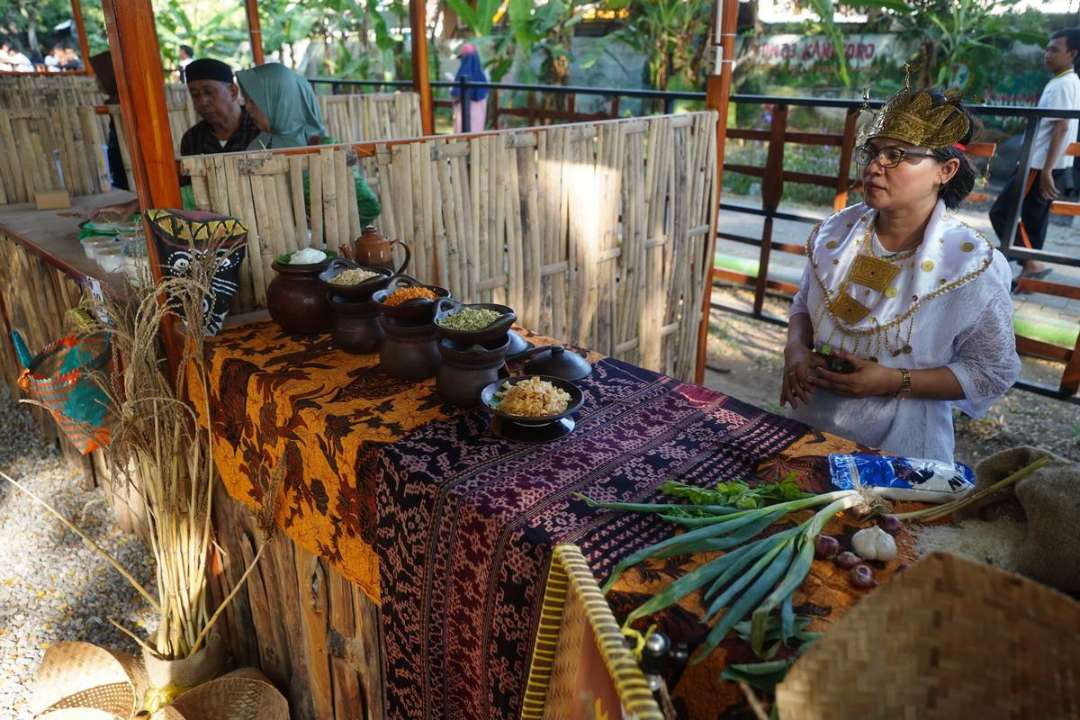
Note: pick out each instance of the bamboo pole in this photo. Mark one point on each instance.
(717, 94)
(421, 81)
(254, 31)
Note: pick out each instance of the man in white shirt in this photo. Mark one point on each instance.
(11, 58)
(1049, 162)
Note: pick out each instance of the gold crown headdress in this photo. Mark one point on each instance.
(913, 117)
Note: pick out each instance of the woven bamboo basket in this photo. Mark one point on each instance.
(948, 638)
(243, 694)
(78, 675)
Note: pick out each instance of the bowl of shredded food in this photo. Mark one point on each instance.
(532, 399)
(476, 324)
(408, 301)
(354, 282)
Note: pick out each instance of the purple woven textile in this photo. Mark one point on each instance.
(467, 523)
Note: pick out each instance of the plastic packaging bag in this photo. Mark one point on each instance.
(899, 478)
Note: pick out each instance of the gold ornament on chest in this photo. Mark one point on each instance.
(873, 273)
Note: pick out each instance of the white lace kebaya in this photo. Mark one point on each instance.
(943, 304)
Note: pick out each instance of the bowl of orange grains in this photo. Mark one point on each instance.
(408, 301)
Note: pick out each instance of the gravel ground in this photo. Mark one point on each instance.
(53, 587)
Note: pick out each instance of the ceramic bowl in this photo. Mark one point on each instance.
(413, 312)
(359, 291)
(487, 397)
(494, 332)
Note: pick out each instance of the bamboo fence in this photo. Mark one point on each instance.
(47, 91)
(594, 233)
(372, 116)
(51, 149)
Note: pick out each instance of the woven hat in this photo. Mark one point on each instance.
(948, 638)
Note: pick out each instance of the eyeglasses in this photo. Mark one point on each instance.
(887, 157)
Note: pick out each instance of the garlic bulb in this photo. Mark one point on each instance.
(873, 543)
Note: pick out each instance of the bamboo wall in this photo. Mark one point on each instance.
(595, 232)
(47, 91)
(372, 116)
(53, 149)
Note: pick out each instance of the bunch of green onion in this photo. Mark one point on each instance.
(755, 577)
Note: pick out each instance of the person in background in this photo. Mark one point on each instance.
(285, 108)
(12, 59)
(54, 59)
(283, 105)
(903, 311)
(1049, 163)
(226, 126)
(71, 62)
(187, 56)
(106, 80)
(473, 71)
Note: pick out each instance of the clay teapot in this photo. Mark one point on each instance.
(372, 250)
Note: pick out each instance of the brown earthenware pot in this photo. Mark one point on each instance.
(409, 352)
(297, 299)
(467, 369)
(356, 329)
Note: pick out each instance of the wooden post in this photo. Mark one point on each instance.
(771, 192)
(255, 31)
(717, 92)
(80, 31)
(421, 81)
(140, 82)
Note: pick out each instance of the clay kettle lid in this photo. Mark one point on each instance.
(556, 361)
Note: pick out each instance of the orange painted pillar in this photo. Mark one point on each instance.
(80, 31)
(421, 81)
(140, 81)
(255, 31)
(717, 93)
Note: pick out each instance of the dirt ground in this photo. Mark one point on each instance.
(746, 361)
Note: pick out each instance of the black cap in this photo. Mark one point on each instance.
(207, 69)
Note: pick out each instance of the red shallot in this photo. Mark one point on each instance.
(847, 560)
(862, 576)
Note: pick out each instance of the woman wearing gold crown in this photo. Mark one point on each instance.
(903, 310)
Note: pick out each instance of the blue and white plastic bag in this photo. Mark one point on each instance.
(898, 478)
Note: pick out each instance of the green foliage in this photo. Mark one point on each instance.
(671, 33)
(31, 22)
(736, 493)
(962, 36)
(219, 35)
(478, 16)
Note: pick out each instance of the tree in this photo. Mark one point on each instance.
(671, 33)
(958, 38)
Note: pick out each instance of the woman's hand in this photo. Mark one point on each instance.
(868, 379)
(799, 362)
(1047, 188)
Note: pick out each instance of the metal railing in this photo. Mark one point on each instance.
(774, 177)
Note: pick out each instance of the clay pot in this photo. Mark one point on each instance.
(297, 299)
(356, 329)
(467, 370)
(409, 352)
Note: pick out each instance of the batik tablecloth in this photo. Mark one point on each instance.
(451, 528)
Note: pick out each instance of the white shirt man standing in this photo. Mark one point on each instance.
(1048, 159)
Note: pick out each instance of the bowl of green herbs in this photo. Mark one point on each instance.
(473, 324)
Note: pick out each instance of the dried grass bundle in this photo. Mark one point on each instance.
(158, 446)
(159, 451)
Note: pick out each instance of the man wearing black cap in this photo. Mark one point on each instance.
(226, 126)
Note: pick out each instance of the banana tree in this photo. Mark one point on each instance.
(957, 34)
